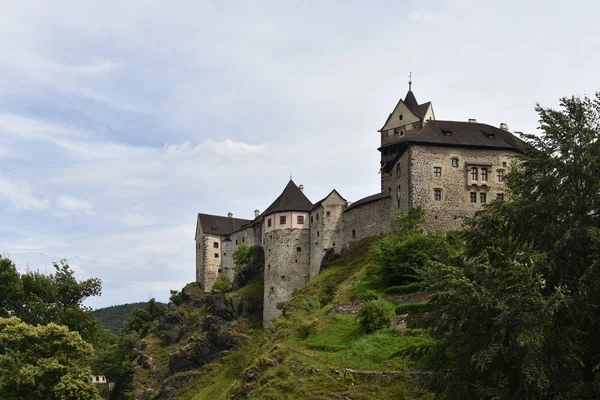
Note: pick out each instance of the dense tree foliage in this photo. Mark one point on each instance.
(113, 318)
(519, 317)
(37, 298)
(249, 264)
(44, 362)
(407, 249)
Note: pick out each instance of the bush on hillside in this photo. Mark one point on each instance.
(374, 315)
(222, 284)
(369, 295)
(249, 263)
(412, 308)
(405, 289)
(328, 292)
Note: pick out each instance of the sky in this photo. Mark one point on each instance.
(121, 120)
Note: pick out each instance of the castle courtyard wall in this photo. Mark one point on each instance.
(370, 219)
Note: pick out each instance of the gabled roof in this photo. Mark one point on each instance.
(218, 225)
(291, 199)
(410, 101)
(461, 134)
(318, 203)
(368, 199)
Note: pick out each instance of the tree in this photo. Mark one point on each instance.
(374, 315)
(249, 262)
(37, 298)
(519, 317)
(43, 362)
(407, 249)
(222, 284)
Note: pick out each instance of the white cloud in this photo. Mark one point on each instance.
(20, 195)
(428, 17)
(73, 204)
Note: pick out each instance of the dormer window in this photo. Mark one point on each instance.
(447, 132)
(489, 135)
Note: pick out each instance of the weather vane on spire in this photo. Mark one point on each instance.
(410, 81)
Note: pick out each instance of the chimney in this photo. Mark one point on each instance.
(256, 213)
(472, 120)
(230, 215)
(301, 187)
(503, 126)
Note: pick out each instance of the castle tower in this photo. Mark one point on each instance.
(326, 237)
(286, 237)
(405, 121)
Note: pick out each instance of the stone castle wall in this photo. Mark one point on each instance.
(210, 259)
(287, 262)
(370, 219)
(455, 182)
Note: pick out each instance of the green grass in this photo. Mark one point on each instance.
(252, 289)
(341, 342)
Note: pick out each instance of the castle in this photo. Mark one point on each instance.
(450, 168)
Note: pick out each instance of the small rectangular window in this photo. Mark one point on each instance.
(311, 220)
(353, 233)
(437, 171)
(398, 169)
(216, 255)
(396, 131)
(484, 173)
(482, 198)
(500, 176)
(317, 217)
(300, 219)
(282, 220)
(474, 173)
(328, 213)
(216, 245)
(236, 242)
(244, 239)
(298, 249)
(504, 164)
(269, 222)
(473, 197)
(500, 196)
(437, 194)
(454, 162)
(317, 233)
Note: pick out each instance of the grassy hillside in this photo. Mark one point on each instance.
(317, 350)
(113, 317)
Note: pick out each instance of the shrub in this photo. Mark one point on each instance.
(176, 297)
(405, 289)
(412, 308)
(222, 284)
(369, 295)
(374, 315)
(304, 331)
(249, 263)
(328, 291)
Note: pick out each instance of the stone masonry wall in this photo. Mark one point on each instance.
(366, 220)
(455, 182)
(227, 264)
(286, 268)
(211, 257)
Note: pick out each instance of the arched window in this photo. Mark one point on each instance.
(437, 194)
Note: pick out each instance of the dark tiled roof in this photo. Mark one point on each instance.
(423, 109)
(458, 133)
(368, 199)
(318, 203)
(218, 225)
(291, 199)
(411, 102)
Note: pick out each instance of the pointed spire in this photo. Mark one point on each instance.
(410, 81)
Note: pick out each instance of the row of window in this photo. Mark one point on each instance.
(437, 196)
(283, 220)
(475, 172)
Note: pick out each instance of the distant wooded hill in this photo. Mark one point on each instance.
(114, 317)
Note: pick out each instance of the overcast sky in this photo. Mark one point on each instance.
(121, 120)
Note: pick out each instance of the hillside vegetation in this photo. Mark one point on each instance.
(113, 317)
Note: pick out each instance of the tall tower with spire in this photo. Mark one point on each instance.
(404, 122)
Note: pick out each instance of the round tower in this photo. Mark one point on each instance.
(286, 241)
